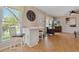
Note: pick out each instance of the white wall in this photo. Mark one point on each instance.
(39, 21)
(68, 29)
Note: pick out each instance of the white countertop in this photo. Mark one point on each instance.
(35, 28)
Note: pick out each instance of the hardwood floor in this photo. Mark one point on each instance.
(60, 42)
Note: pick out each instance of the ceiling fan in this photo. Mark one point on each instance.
(74, 11)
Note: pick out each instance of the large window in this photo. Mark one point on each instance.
(10, 22)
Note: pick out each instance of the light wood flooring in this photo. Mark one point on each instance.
(60, 42)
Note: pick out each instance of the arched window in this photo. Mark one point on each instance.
(10, 22)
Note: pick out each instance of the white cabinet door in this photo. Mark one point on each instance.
(34, 37)
(31, 37)
(27, 37)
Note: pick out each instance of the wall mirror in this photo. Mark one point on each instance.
(31, 15)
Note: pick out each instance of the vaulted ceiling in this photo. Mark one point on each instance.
(57, 10)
